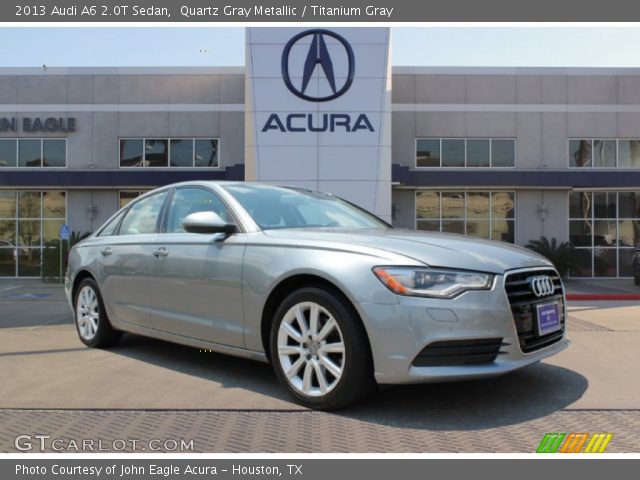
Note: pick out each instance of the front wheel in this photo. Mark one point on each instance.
(320, 351)
(92, 323)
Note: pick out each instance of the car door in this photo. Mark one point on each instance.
(126, 259)
(197, 278)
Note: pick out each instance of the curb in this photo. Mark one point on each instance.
(602, 296)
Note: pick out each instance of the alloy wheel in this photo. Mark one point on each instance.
(87, 313)
(311, 349)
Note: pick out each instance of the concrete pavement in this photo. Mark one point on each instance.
(46, 368)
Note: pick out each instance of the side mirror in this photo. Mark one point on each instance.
(207, 222)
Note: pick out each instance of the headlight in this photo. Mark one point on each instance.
(428, 282)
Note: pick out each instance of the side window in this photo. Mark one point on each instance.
(142, 217)
(191, 200)
(110, 228)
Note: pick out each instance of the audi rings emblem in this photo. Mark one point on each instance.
(542, 286)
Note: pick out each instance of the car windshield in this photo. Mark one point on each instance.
(280, 207)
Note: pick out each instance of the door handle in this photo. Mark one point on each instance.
(161, 252)
(106, 251)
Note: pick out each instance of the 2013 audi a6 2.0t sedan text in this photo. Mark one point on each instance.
(335, 298)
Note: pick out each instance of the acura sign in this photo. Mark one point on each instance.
(318, 55)
(318, 111)
(318, 59)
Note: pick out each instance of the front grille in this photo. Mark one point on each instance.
(459, 352)
(523, 307)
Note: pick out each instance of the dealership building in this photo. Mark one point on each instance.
(511, 154)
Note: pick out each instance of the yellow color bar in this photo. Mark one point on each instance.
(598, 442)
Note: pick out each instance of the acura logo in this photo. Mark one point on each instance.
(542, 286)
(318, 54)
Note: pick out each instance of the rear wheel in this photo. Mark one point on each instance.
(92, 324)
(319, 350)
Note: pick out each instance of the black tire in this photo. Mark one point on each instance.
(105, 335)
(357, 380)
(636, 280)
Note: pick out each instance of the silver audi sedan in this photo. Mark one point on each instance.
(335, 298)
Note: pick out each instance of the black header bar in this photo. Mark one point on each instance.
(316, 11)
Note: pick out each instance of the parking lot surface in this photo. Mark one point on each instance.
(147, 389)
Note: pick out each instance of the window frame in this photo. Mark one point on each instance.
(169, 140)
(161, 213)
(593, 218)
(466, 191)
(593, 166)
(16, 218)
(165, 218)
(41, 140)
(466, 153)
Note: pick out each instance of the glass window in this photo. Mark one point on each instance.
(181, 153)
(604, 227)
(453, 152)
(186, 201)
(29, 205)
(605, 262)
(629, 233)
(428, 204)
(478, 153)
(428, 154)
(503, 153)
(206, 153)
(477, 213)
(169, 152)
(580, 204)
(605, 233)
(54, 204)
(111, 227)
(156, 153)
(131, 152)
(7, 232)
(54, 153)
(29, 154)
(479, 228)
(629, 204)
(428, 225)
(280, 207)
(604, 153)
(582, 262)
(580, 153)
(453, 204)
(604, 205)
(8, 255)
(126, 196)
(142, 216)
(51, 230)
(503, 205)
(28, 221)
(7, 204)
(449, 226)
(581, 233)
(625, 262)
(478, 205)
(29, 232)
(8, 153)
(628, 153)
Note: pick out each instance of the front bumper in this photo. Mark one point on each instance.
(399, 332)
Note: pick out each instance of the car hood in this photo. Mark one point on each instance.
(433, 249)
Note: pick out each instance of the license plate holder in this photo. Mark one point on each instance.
(548, 318)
